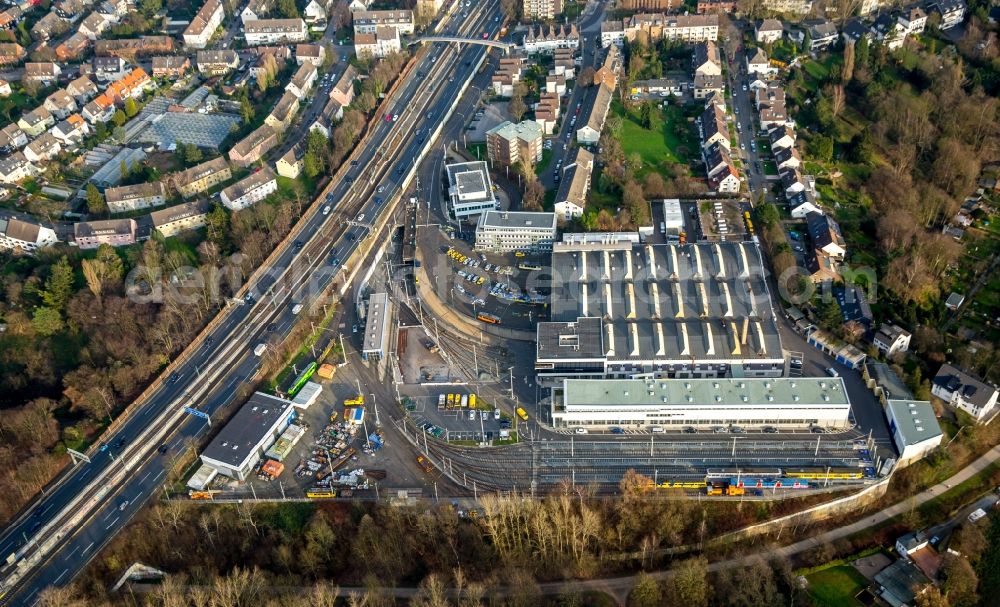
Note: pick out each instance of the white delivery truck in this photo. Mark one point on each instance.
(259, 350)
(977, 514)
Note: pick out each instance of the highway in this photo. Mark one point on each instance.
(58, 535)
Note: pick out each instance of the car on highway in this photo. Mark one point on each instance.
(617, 430)
(388, 117)
(378, 200)
(581, 430)
(352, 236)
(380, 189)
(163, 449)
(271, 328)
(326, 210)
(719, 429)
(335, 262)
(395, 117)
(361, 217)
(770, 430)
(690, 430)
(174, 377)
(299, 244)
(817, 430)
(737, 430)
(122, 506)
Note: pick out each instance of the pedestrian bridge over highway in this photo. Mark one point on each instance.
(506, 46)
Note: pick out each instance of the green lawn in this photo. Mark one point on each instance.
(544, 163)
(836, 586)
(770, 168)
(669, 140)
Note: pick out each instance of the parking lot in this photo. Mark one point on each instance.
(456, 414)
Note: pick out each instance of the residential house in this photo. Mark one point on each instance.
(252, 148)
(704, 7)
(712, 126)
(719, 169)
(204, 24)
(593, 121)
(275, 31)
(547, 112)
(781, 137)
(768, 31)
(201, 177)
(662, 87)
(283, 112)
(821, 268)
(131, 48)
(109, 69)
(327, 119)
(706, 86)
(726, 181)
(170, 66)
(255, 10)
(313, 54)
(787, 159)
(46, 73)
(889, 31)
(964, 391)
(770, 103)
(555, 84)
(546, 39)
(509, 144)
(101, 109)
(798, 7)
(5, 90)
(249, 190)
(343, 91)
(94, 26)
(359, 5)
(574, 185)
(133, 86)
(540, 10)
(801, 204)
(114, 232)
(952, 12)
(12, 137)
(706, 59)
(290, 165)
(70, 132)
(316, 12)
(44, 147)
(302, 81)
(382, 43)
(72, 47)
(60, 103)
(24, 236)
(48, 27)
(652, 27)
(564, 62)
(821, 33)
(82, 89)
(36, 122)
(217, 63)
(507, 75)
(913, 19)
(854, 30)
(180, 218)
(759, 64)
(116, 10)
(124, 199)
(367, 22)
(792, 182)
(70, 10)
(11, 53)
(14, 168)
(825, 234)
(10, 17)
(891, 338)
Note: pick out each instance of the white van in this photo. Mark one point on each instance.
(296, 308)
(259, 349)
(656, 429)
(472, 415)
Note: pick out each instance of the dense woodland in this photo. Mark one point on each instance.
(83, 336)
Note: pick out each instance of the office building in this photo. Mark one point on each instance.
(470, 189)
(541, 10)
(509, 144)
(914, 429)
(506, 231)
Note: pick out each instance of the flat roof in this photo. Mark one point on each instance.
(665, 302)
(517, 219)
(377, 324)
(914, 420)
(796, 391)
(247, 430)
(887, 379)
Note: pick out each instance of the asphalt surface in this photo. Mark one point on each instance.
(219, 366)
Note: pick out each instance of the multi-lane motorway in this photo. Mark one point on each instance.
(58, 536)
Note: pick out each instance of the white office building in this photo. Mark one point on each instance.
(470, 189)
(749, 403)
(914, 429)
(504, 231)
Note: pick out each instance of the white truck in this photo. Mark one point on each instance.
(259, 350)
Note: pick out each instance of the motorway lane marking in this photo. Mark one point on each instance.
(74, 550)
(113, 523)
(65, 571)
(143, 479)
(87, 548)
(160, 475)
